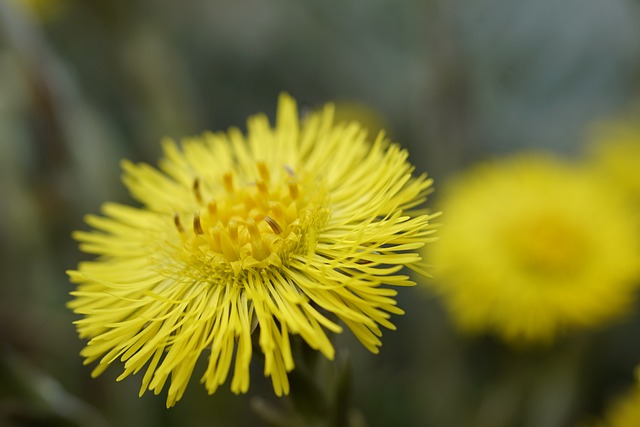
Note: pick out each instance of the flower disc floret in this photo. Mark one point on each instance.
(240, 226)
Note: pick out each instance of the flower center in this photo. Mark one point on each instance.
(255, 225)
(547, 245)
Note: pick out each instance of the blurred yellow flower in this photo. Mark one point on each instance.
(284, 230)
(615, 152)
(530, 246)
(624, 412)
(367, 116)
(42, 10)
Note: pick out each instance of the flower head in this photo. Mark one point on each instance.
(531, 246)
(283, 231)
(42, 10)
(615, 153)
(624, 412)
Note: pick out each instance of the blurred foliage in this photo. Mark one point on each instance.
(86, 83)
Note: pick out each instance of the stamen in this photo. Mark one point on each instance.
(273, 224)
(233, 230)
(213, 209)
(262, 187)
(276, 208)
(253, 229)
(228, 245)
(228, 229)
(258, 249)
(196, 190)
(197, 226)
(263, 170)
(176, 221)
(293, 189)
(227, 180)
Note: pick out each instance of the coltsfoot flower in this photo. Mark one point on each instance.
(42, 10)
(624, 412)
(532, 246)
(288, 230)
(615, 153)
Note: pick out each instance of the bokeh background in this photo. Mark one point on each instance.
(84, 84)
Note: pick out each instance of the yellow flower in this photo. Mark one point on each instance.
(625, 412)
(530, 246)
(615, 152)
(284, 230)
(364, 114)
(42, 10)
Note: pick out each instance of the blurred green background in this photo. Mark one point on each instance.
(86, 83)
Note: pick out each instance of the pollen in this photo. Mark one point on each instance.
(252, 225)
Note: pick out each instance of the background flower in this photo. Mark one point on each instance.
(623, 412)
(40, 9)
(532, 246)
(615, 153)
